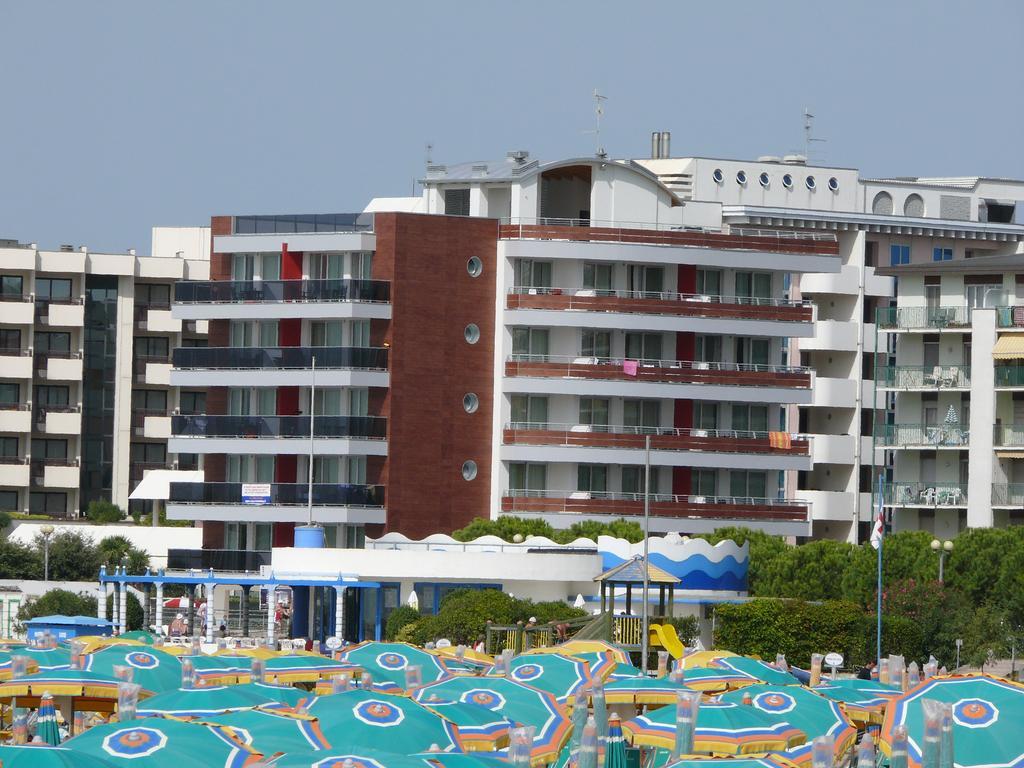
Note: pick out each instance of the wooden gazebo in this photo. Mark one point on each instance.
(630, 575)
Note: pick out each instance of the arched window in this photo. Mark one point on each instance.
(882, 204)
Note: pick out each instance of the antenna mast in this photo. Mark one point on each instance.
(599, 111)
(808, 137)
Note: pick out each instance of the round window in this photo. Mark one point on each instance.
(787, 181)
(474, 266)
(741, 177)
(765, 180)
(469, 470)
(718, 176)
(472, 333)
(833, 184)
(809, 181)
(470, 402)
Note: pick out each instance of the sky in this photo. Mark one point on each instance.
(121, 115)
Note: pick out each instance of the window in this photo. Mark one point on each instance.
(982, 292)
(53, 288)
(705, 415)
(642, 415)
(787, 181)
(355, 470)
(942, 254)
(9, 501)
(764, 179)
(646, 279)
(643, 346)
(10, 393)
(633, 479)
(752, 418)
(529, 411)
(718, 176)
(596, 344)
(757, 285)
(456, 202)
(752, 485)
(149, 400)
(152, 294)
(529, 341)
(741, 178)
(704, 482)
(47, 503)
(474, 266)
(899, 254)
(236, 535)
(263, 536)
(752, 351)
(326, 333)
(49, 449)
(193, 402)
(52, 342)
(469, 470)
(709, 348)
(358, 401)
(326, 469)
(594, 411)
(882, 204)
(532, 274)
(592, 478)
(361, 265)
(326, 266)
(471, 333)
(246, 333)
(239, 402)
(11, 286)
(930, 342)
(151, 346)
(932, 291)
(527, 477)
(810, 182)
(326, 402)
(270, 266)
(709, 282)
(470, 402)
(597, 276)
(930, 408)
(913, 206)
(10, 339)
(243, 266)
(8, 447)
(51, 395)
(833, 184)
(149, 453)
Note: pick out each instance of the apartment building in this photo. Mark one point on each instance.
(503, 344)
(954, 343)
(85, 342)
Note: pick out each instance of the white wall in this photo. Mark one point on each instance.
(181, 242)
(154, 541)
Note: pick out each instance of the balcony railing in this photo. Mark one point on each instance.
(366, 427)
(14, 406)
(925, 494)
(1008, 494)
(591, 230)
(281, 291)
(924, 318)
(1010, 375)
(234, 560)
(20, 460)
(1010, 317)
(924, 435)
(924, 376)
(666, 371)
(661, 505)
(660, 303)
(280, 358)
(662, 438)
(1009, 435)
(281, 494)
(18, 297)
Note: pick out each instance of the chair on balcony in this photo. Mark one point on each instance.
(928, 496)
(934, 379)
(949, 496)
(950, 376)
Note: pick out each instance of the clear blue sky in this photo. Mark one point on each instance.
(120, 115)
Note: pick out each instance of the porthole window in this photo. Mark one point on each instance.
(787, 181)
(765, 179)
(718, 176)
(470, 402)
(472, 333)
(833, 184)
(469, 470)
(741, 178)
(474, 266)
(810, 182)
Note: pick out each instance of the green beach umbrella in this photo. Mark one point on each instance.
(520, 703)
(600, 663)
(559, 675)
(219, 670)
(46, 721)
(47, 658)
(755, 669)
(153, 669)
(163, 744)
(270, 731)
(281, 695)
(864, 701)
(306, 669)
(370, 719)
(461, 760)
(348, 757)
(813, 714)
(39, 756)
(615, 745)
(7, 665)
(988, 714)
(387, 663)
(139, 635)
(621, 670)
(203, 702)
(715, 679)
(479, 728)
(642, 690)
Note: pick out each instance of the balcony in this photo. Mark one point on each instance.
(1010, 318)
(834, 449)
(63, 313)
(847, 282)
(230, 560)
(16, 363)
(925, 495)
(835, 335)
(1009, 376)
(55, 473)
(925, 436)
(58, 366)
(667, 310)
(1008, 495)
(281, 366)
(332, 503)
(924, 319)
(139, 469)
(584, 443)
(14, 472)
(618, 377)
(17, 310)
(58, 419)
(15, 417)
(333, 435)
(156, 318)
(830, 505)
(1008, 435)
(925, 377)
(154, 370)
(151, 423)
(273, 299)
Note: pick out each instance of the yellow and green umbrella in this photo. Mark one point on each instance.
(756, 670)
(715, 679)
(726, 728)
(697, 659)
(7, 665)
(750, 761)
(623, 671)
(559, 675)
(272, 731)
(40, 756)
(92, 692)
(470, 658)
(387, 663)
(219, 670)
(347, 757)
(151, 668)
(47, 658)
(864, 701)
(576, 647)
(205, 702)
(480, 729)
(306, 669)
(642, 690)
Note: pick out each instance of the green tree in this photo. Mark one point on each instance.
(134, 616)
(401, 617)
(20, 561)
(505, 527)
(102, 511)
(117, 550)
(57, 602)
(591, 529)
(764, 548)
(73, 557)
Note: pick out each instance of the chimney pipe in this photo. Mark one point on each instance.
(666, 142)
(655, 145)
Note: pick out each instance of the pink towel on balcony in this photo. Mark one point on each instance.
(629, 367)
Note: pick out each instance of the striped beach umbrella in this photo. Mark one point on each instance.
(576, 647)
(47, 658)
(470, 658)
(756, 670)
(151, 668)
(559, 675)
(271, 731)
(480, 729)
(693, 659)
(623, 671)
(204, 702)
(305, 669)
(757, 761)
(63, 682)
(601, 663)
(40, 756)
(219, 670)
(642, 690)
(461, 760)
(46, 721)
(715, 679)
(348, 757)
(387, 662)
(615, 745)
(864, 701)
(7, 665)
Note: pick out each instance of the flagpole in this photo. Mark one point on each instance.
(881, 540)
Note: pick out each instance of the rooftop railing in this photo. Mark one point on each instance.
(302, 223)
(924, 318)
(281, 291)
(201, 425)
(280, 358)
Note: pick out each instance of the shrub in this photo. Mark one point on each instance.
(508, 526)
(134, 616)
(20, 561)
(102, 511)
(402, 616)
(687, 627)
(5, 520)
(73, 557)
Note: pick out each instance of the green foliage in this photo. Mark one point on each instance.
(687, 627)
(162, 521)
(20, 561)
(117, 550)
(5, 520)
(102, 511)
(73, 557)
(57, 602)
(134, 611)
(509, 526)
(402, 616)
(764, 548)
(591, 529)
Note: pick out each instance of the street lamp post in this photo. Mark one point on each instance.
(47, 533)
(942, 548)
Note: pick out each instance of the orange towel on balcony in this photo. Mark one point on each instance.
(630, 367)
(779, 440)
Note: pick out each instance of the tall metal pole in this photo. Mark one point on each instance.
(881, 543)
(647, 550)
(46, 559)
(312, 411)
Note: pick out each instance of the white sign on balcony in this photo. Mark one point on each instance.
(255, 493)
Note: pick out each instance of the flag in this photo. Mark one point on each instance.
(879, 530)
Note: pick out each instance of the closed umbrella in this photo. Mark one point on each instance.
(46, 721)
(615, 745)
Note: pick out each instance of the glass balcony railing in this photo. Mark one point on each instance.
(234, 560)
(280, 358)
(302, 222)
(1008, 494)
(1010, 435)
(924, 435)
(924, 318)
(926, 494)
(280, 291)
(924, 376)
(1010, 375)
(282, 494)
(201, 425)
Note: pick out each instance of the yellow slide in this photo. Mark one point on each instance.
(664, 636)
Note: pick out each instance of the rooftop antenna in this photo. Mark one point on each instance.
(808, 130)
(598, 112)
(430, 153)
